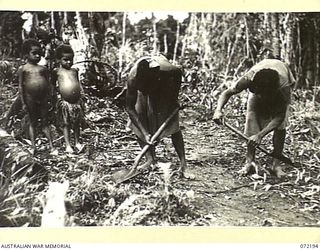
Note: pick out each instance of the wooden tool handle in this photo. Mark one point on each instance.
(279, 157)
(246, 138)
(154, 138)
(164, 125)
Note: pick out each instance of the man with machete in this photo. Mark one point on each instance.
(152, 95)
(269, 83)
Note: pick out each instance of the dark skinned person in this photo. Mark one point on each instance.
(152, 95)
(269, 83)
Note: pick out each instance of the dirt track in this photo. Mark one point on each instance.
(214, 156)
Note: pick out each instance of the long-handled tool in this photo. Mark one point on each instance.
(279, 157)
(126, 174)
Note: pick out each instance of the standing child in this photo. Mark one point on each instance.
(70, 105)
(36, 92)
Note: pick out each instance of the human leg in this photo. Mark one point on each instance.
(249, 165)
(76, 129)
(177, 141)
(150, 154)
(278, 139)
(46, 126)
(252, 127)
(32, 134)
(47, 133)
(278, 144)
(66, 127)
(66, 135)
(77, 120)
(32, 112)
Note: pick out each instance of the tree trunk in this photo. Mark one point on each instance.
(52, 24)
(298, 65)
(154, 28)
(190, 36)
(65, 18)
(177, 42)
(80, 44)
(267, 27)
(231, 51)
(165, 43)
(247, 37)
(204, 35)
(123, 42)
(275, 35)
(310, 54)
(317, 61)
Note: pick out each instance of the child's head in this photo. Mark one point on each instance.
(64, 54)
(31, 48)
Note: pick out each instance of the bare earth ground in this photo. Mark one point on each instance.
(220, 197)
(214, 157)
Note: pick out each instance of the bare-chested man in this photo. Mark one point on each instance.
(152, 94)
(269, 82)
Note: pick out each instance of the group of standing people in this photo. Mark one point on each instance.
(153, 87)
(41, 90)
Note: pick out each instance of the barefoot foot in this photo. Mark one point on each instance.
(278, 172)
(248, 168)
(185, 175)
(69, 149)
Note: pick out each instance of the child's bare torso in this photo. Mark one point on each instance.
(35, 80)
(69, 85)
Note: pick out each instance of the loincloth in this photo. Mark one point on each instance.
(258, 117)
(69, 114)
(152, 115)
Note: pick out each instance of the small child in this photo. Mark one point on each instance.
(35, 90)
(70, 104)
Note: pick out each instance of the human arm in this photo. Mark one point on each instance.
(53, 78)
(131, 99)
(54, 88)
(223, 99)
(281, 103)
(240, 85)
(256, 139)
(21, 87)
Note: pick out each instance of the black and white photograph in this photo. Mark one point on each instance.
(159, 118)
